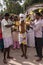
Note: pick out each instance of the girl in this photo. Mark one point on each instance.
(15, 34)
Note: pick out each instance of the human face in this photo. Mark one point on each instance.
(7, 17)
(37, 17)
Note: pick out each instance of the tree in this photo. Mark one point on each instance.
(1, 11)
(0, 5)
(13, 6)
(17, 8)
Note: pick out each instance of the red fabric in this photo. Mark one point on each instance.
(0, 34)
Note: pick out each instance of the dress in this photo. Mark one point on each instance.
(15, 36)
(6, 33)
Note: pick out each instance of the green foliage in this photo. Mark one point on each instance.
(13, 6)
(17, 8)
(0, 5)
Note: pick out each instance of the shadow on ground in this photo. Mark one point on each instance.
(18, 60)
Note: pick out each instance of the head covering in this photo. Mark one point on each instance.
(22, 17)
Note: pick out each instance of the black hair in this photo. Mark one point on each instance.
(37, 13)
(6, 14)
(41, 13)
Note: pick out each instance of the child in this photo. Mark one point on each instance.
(15, 34)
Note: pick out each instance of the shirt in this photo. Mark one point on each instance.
(38, 28)
(6, 32)
(42, 23)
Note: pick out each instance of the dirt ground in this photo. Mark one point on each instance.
(18, 60)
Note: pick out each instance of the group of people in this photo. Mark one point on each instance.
(13, 32)
(37, 27)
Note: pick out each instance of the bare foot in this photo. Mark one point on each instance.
(5, 62)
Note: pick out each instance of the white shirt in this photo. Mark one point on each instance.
(6, 32)
(38, 28)
(42, 22)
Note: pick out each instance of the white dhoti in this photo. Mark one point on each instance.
(28, 38)
(8, 42)
(22, 38)
(31, 38)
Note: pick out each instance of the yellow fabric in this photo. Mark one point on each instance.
(17, 23)
(27, 21)
(24, 40)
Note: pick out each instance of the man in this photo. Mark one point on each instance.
(22, 36)
(42, 19)
(42, 24)
(7, 38)
(38, 35)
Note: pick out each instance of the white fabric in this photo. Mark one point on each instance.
(6, 33)
(21, 38)
(22, 15)
(27, 37)
(42, 22)
(38, 28)
(8, 42)
(31, 38)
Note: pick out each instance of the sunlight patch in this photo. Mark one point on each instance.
(14, 62)
(40, 64)
(30, 63)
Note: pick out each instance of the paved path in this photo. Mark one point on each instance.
(18, 60)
